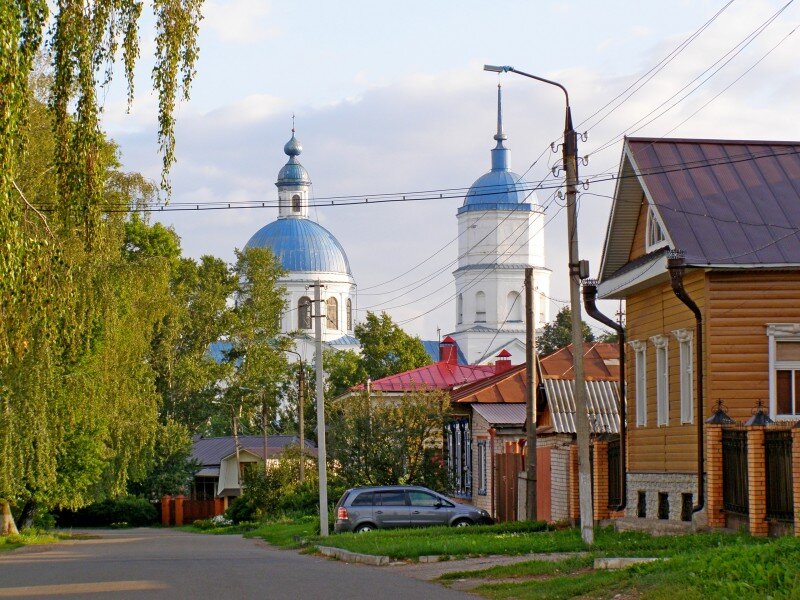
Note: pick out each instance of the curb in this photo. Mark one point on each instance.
(620, 563)
(354, 557)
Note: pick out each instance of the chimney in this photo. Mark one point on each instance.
(448, 351)
(503, 362)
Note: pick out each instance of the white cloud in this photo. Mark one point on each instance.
(238, 21)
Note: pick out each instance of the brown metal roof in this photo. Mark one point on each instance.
(600, 362)
(725, 202)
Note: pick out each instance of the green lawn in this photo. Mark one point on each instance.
(517, 538)
(703, 566)
(287, 533)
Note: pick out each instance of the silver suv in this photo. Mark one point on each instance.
(381, 507)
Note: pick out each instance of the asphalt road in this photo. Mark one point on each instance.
(156, 563)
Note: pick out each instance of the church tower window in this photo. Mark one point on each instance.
(304, 313)
(296, 203)
(460, 308)
(514, 307)
(480, 307)
(333, 313)
(349, 308)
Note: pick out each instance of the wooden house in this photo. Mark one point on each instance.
(702, 245)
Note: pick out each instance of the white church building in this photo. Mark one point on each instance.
(309, 253)
(501, 232)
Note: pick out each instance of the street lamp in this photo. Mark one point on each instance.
(577, 271)
(301, 422)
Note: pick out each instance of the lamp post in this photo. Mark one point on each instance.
(301, 420)
(577, 271)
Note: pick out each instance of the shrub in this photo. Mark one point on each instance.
(135, 512)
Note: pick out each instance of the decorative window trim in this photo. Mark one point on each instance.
(297, 203)
(305, 319)
(780, 332)
(661, 343)
(480, 306)
(686, 358)
(640, 378)
(332, 313)
(655, 236)
(482, 470)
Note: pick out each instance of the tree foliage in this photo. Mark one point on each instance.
(78, 401)
(558, 334)
(384, 441)
(385, 350)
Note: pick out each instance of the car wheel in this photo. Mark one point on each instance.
(364, 528)
(462, 523)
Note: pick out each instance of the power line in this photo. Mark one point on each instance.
(725, 59)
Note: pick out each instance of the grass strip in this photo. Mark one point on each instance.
(286, 533)
(31, 538)
(533, 568)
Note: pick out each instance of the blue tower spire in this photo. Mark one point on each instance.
(500, 152)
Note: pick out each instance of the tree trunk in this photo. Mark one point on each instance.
(7, 525)
(26, 515)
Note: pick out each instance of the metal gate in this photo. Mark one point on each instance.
(734, 471)
(778, 458)
(614, 481)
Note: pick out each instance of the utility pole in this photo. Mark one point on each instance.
(301, 398)
(576, 268)
(321, 451)
(235, 423)
(530, 393)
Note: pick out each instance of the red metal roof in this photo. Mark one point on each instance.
(442, 375)
(725, 202)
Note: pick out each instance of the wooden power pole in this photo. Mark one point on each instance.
(530, 394)
(321, 451)
(576, 273)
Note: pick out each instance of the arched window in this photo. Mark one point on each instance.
(304, 313)
(333, 313)
(349, 307)
(460, 309)
(296, 203)
(514, 306)
(480, 307)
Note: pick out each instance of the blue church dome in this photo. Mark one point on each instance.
(292, 173)
(302, 245)
(500, 188)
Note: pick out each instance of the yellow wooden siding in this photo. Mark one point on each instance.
(656, 311)
(638, 245)
(740, 305)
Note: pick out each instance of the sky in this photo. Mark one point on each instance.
(392, 98)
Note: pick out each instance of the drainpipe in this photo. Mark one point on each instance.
(589, 303)
(494, 480)
(676, 263)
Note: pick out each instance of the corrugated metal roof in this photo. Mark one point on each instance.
(723, 202)
(602, 403)
(210, 451)
(502, 413)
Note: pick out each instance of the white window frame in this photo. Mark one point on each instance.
(640, 379)
(780, 332)
(654, 235)
(686, 357)
(661, 343)
(482, 470)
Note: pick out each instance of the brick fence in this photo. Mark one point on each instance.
(758, 521)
